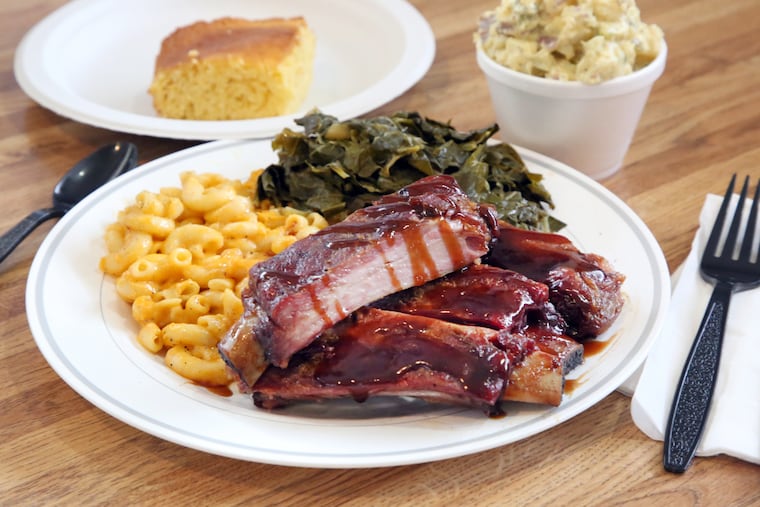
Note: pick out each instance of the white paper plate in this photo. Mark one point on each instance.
(93, 60)
(86, 334)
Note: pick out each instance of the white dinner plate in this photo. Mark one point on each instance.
(93, 60)
(86, 334)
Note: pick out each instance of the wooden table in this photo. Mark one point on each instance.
(702, 122)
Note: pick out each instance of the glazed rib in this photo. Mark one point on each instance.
(504, 300)
(424, 231)
(583, 287)
(379, 352)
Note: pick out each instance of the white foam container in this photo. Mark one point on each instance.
(587, 126)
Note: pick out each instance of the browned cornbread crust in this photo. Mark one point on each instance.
(233, 68)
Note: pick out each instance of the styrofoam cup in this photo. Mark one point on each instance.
(588, 127)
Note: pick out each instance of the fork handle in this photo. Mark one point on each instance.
(694, 391)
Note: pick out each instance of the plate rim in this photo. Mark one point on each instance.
(548, 420)
(31, 76)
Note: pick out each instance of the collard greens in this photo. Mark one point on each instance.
(336, 167)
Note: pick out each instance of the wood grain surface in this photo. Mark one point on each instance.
(702, 123)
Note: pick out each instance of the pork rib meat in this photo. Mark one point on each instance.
(583, 287)
(379, 352)
(424, 231)
(501, 299)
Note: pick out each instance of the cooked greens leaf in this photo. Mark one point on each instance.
(336, 167)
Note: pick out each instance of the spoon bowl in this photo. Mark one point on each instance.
(98, 168)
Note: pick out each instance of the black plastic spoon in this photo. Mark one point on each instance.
(91, 172)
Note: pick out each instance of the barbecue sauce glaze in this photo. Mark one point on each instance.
(371, 353)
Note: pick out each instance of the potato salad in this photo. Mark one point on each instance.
(590, 41)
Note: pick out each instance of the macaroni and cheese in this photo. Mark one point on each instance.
(181, 258)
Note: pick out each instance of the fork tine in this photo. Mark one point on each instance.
(712, 242)
(733, 231)
(749, 234)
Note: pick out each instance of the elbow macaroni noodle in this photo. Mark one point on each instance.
(181, 259)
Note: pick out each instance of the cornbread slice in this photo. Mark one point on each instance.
(233, 69)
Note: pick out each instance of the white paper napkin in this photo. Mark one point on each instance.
(733, 426)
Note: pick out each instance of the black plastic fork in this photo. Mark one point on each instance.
(730, 271)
